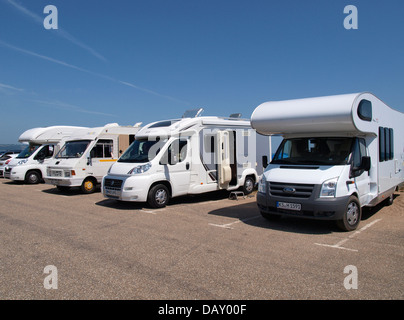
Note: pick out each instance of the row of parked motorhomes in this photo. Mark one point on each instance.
(338, 154)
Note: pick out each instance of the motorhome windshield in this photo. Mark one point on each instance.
(142, 151)
(316, 151)
(28, 151)
(73, 149)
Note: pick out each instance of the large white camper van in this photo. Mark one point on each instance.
(87, 155)
(42, 144)
(339, 154)
(191, 155)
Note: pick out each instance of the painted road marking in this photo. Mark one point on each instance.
(228, 225)
(340, 243)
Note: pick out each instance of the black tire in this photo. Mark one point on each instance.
(33, 177)
(352, 215)
(89, 185)
(390, 200)
(248, 186)
(158, 196)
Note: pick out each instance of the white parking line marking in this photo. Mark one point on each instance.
(338, 245)
(228, 225)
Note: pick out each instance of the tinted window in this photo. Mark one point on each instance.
(365, 110)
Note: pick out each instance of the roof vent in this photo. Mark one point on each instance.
(193, 113)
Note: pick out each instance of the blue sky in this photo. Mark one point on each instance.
(129, 61)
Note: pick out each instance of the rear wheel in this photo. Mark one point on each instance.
(352, 215)
(32, 177)
(88, 185)
(390, 200)
(248, 186)
(158, 196)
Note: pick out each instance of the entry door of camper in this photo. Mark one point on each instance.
(223, 159)
(102, 156)
(178, 165)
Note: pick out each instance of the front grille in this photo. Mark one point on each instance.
(113, 184)
(301, 191)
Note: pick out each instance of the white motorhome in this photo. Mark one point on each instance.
(87, 155)
(339, 154)
(42, 144)
(191, 155)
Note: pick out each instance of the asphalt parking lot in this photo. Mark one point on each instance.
(198, 247)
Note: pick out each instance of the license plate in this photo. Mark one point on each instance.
(113, 193)
(56, 173)
(289, 206)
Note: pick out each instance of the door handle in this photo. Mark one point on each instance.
(187, 165)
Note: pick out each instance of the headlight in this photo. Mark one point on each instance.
(261, 184)
(22, 162)
(329, 188)
(140, 169)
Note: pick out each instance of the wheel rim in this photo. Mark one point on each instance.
(249, 185)
(88, 185)
(352, 214)
(33, 178)
(161, 196)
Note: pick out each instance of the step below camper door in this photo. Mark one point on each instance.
(223, 159)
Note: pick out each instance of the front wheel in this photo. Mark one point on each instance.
(158, 196)
(88, 186)
(352, 215)
(32, 177)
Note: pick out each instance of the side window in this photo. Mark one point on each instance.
(386, 144)
(356, 160)
(176, 152)
(45, 152)
(382, 145)
(50, 150)
(102, 149)
(365, 110)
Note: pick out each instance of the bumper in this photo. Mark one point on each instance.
(322, 209)
(15, 173)
(64, 182)
(126, 188)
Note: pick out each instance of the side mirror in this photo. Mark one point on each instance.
(89, 161)
(265, 161)
(364, 166)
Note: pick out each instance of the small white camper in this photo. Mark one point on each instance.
(87, 155)
(191, 155)
(339, 154)
(42, 144)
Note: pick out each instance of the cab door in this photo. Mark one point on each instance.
(101, 158)
(361, 177)
(177, 165)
